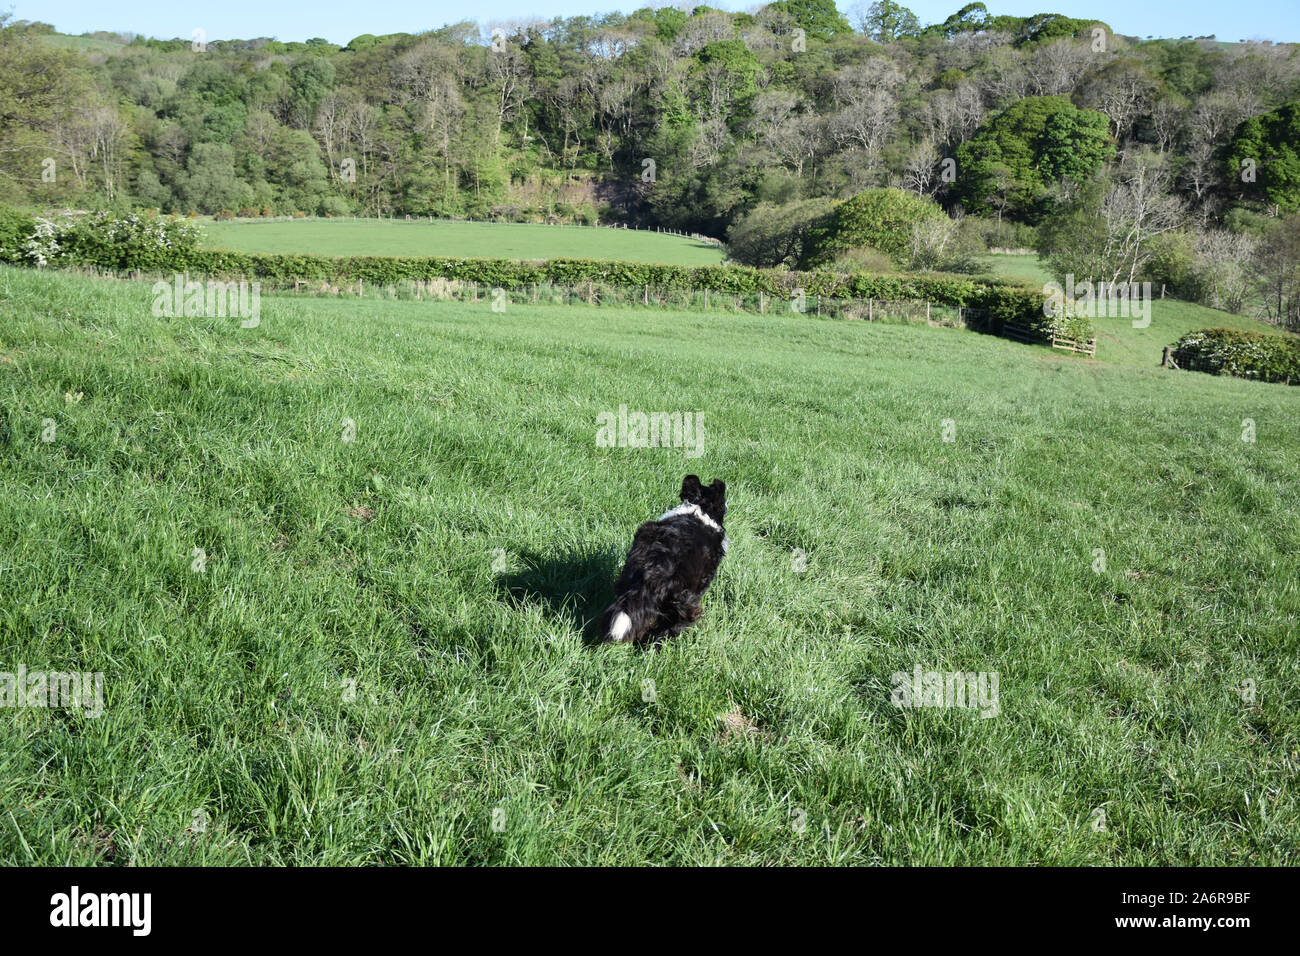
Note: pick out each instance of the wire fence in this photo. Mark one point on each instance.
(596, 294)
(647, 296)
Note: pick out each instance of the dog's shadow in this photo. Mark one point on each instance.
(577, 585)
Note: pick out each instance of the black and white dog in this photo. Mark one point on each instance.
(671, 565)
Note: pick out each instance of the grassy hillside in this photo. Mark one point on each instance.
(1118, 341)
(1017, 267)
(383, 649)
(387, 237)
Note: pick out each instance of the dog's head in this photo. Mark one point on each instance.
(712, 499)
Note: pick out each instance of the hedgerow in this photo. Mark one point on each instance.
(1004, 299)
(158, 245)
(1264, 356)
(15, 229)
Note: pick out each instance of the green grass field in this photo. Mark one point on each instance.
(1117, 341)
(1017, 267)
(381, 660)
(490, 240)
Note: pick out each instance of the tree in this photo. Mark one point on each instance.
(969, 19)
(211, 183)
(886, 21)
(819, 18)
(40, 87)
(1038, 140)
(868, 100)
(880, 218)
(775, 235)
(1264, 158)
(310, 82)
(1278, 270)
(921, 168)
(1121, 89)
(1104, 230)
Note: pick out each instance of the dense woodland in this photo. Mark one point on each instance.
(1120, 159)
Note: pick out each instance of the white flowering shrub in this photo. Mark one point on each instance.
(1265, 356)
(42, 247)
(137, 240)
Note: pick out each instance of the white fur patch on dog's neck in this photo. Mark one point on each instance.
(697, 512)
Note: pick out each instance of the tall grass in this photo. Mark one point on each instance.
(382, 660)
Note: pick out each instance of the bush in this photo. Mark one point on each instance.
(862, 259)
(1077, 327)
(334, 206)
(15, 228)
(881, 218)
(1259, 355)
(134, 241)
(772, 235)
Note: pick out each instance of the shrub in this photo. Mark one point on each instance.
(772, 235)
(134, 241)
(43, 246)
(862, 259)
(1077, 327)
(1223, 351)
(334, 206)
(15, 228)
(881, 218)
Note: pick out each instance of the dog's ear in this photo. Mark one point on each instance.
(719, 487)
(691, 490)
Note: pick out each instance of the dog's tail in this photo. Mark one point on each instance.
(629, 618)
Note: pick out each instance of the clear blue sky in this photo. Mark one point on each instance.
(341, 20)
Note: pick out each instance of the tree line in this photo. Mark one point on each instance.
(753, 127)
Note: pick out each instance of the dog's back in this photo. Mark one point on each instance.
(671, 564)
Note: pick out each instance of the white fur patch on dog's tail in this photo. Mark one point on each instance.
(620, 628)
